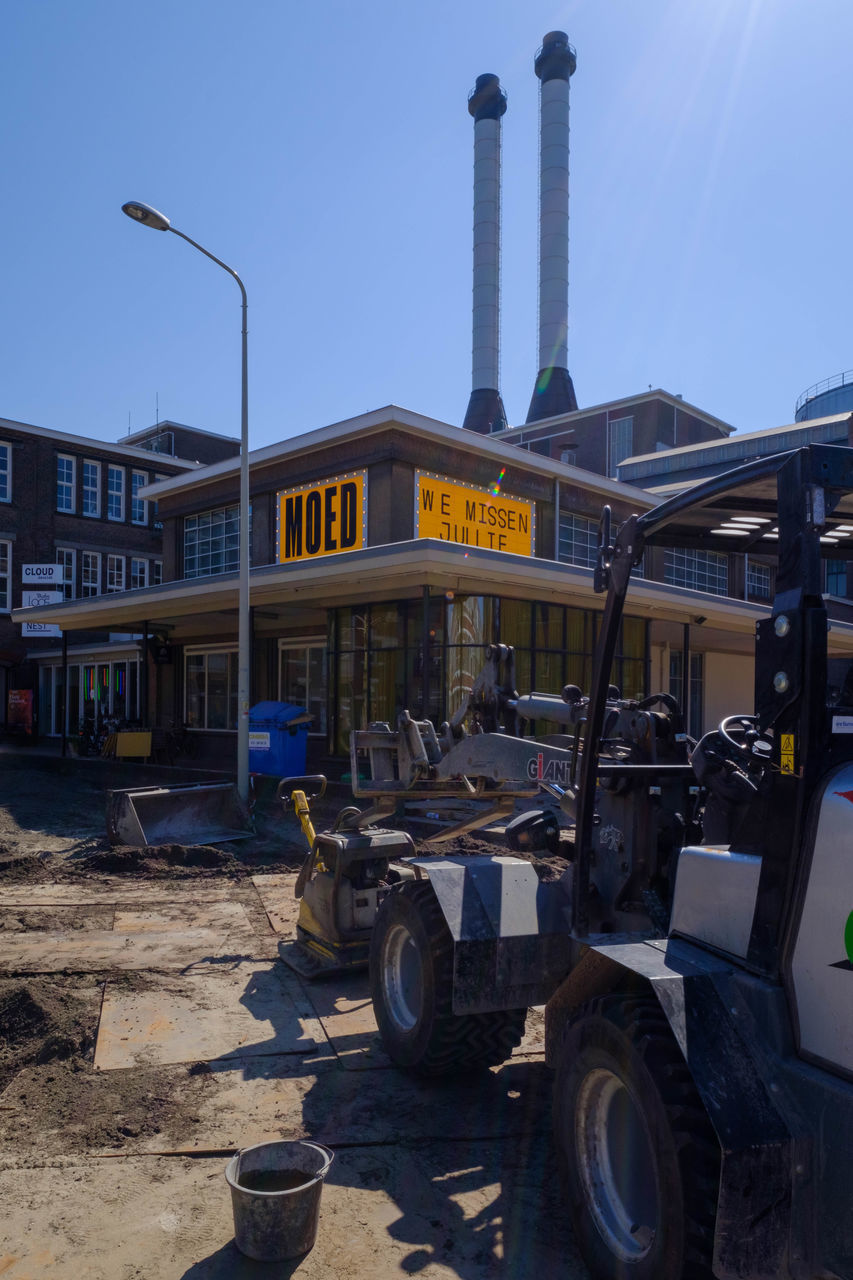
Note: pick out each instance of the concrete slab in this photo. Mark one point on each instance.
(384, 1214)
(226, 916)
(212, 1015)
(276, 894)
(91, 951)
(96, 891)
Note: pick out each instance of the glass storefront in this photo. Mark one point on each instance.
(96, 691)
(425, 657)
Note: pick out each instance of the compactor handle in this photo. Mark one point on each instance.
(306, 785)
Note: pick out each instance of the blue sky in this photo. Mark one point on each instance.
(325, 151)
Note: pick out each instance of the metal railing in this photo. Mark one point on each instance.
(828, 384)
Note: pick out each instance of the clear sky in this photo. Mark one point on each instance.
(325, 151)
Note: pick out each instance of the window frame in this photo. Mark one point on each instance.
(115, 579)
(144, 562)
(6, 576)
(72, 582)
(94, 558)
(6, 471)
(230, 652)
(616, 451)
(70, 483)
(136, 502)
(113, 469)
(91, 505)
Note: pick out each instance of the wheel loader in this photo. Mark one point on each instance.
(695, 958)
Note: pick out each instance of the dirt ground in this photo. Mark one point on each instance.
(55, 1104)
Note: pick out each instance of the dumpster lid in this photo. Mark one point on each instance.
(264, 713)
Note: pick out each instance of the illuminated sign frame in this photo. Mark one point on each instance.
(309, 518)
(472, 516)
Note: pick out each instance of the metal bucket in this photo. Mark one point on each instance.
(187, 813)
(275, 1195)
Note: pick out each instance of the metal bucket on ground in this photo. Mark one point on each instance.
(275, 1195)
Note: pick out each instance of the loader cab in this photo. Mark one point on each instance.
(794, 744)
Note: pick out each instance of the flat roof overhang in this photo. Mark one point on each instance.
(399, 570)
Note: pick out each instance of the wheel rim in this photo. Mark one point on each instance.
(403, 978)
(617, 1165)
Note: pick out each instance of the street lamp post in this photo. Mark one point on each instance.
(148, 217)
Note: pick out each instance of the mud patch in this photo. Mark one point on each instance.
(24, 919)
(172, 860)
(43, 1021)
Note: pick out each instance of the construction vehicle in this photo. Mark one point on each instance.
(696, 956)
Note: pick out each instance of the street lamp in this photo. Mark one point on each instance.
(148, 217)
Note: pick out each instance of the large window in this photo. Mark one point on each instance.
(5, 576)
(426, 657)
(836, 578)
(67, 557)
(5, 472)
(578, 540)
(65, 482)
(91, 573)
(210, 682)
(698, 570)
(115, 493)
(115, 573)
(212, 542)
(95, 691)
(138, 573)
(303, 678)
(620, 442)
(138, 506)
(757, 580)
(91, 487)
(694, 711)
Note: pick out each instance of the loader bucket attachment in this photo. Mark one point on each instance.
(195, 813)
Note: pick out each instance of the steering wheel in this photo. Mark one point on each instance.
(743, 738)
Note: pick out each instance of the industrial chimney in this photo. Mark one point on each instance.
(486, 103)
(554, 393)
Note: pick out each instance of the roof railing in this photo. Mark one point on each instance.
(828, 384)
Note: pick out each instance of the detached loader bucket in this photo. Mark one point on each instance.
(197, 813)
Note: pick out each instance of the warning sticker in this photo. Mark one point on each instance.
(842, 724)
(786, 745)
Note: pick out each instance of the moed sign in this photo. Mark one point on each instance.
(323, 518)
(476, 517)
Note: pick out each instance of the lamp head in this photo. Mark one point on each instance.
(146, 215)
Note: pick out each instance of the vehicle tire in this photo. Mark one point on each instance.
(411, 984)
(636, 1150)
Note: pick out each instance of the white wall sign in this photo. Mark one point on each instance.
(33, 575)
(31, 599)
(39, 629)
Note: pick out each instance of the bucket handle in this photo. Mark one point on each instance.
(318, 1146)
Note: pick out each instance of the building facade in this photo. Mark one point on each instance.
(387, 551)
(77, 503)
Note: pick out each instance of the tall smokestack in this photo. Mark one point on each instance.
(555, 63)
(486, 103)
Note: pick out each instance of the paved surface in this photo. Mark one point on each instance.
(434, 1179)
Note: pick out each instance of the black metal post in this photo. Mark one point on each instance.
(685, 678)
(64, 696)
(143, 677)
(425, 647)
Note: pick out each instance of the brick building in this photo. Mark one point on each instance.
(76, 502)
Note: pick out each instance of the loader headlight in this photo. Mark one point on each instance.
(781, 683)
(782, 625)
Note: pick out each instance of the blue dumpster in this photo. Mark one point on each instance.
(278, 734)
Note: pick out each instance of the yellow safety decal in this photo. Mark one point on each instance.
(786, 753)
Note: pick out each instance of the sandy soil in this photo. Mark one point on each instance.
(52, 828)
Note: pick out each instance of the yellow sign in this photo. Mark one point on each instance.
(786, 753)
(475, 517)
(323, 518)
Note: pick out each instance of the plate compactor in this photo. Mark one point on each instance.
(348, 871)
